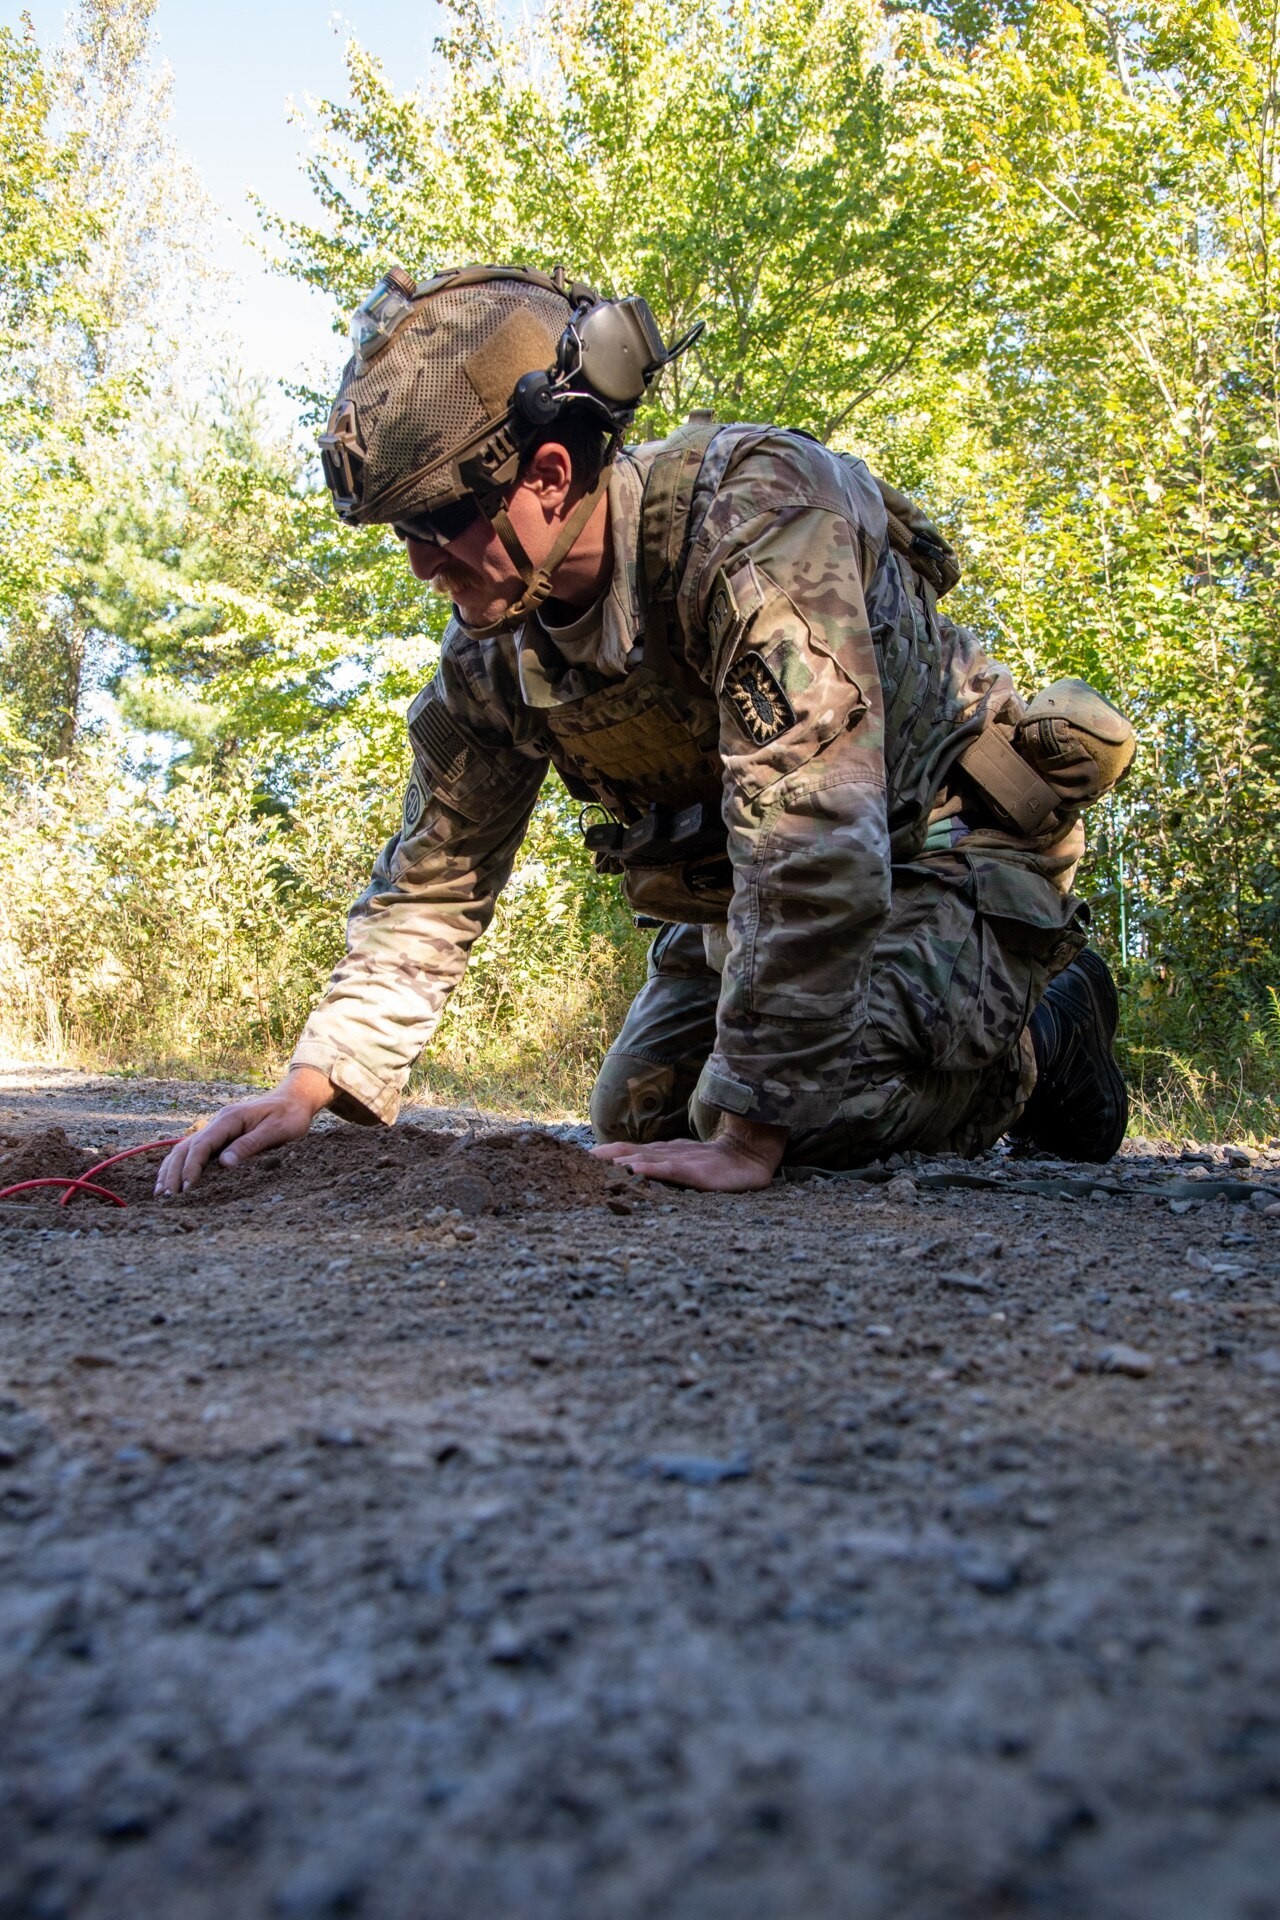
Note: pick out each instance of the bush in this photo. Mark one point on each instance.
(191, 929)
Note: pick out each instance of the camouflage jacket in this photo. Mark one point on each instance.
(838, 694)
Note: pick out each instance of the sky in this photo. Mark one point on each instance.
(236, 64)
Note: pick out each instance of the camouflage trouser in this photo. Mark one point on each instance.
(944, 1062)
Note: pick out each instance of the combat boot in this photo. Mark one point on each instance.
(1079, 1107)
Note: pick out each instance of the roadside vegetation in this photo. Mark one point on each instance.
(1022, 256)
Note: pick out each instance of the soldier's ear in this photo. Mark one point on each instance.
(549, 474)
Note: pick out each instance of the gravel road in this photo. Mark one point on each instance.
(436, 1525)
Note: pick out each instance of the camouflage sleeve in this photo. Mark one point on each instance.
(789, 546)
(432, 894)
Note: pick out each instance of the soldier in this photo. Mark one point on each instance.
(856, 840)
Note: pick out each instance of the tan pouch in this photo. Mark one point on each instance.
(1067, 750)
(1076, 741)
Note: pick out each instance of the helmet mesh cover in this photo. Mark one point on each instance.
(415, 405)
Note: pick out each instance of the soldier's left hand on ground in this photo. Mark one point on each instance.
(741, 1158)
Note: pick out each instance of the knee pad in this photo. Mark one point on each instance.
(636, 1100)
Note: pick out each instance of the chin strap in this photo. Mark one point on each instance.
(537, 580)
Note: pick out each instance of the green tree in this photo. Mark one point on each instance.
(242, 618)
(732, 162)
(101, 268)
(49, 329)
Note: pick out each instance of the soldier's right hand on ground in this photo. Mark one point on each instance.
(267, 1120)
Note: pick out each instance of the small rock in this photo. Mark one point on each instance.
(1237, 1156)
(509, 1646)
(318, 1892)
(699, 1470)
(1184, 1206)
(1127, 1360)
(988, 1572)
(902, 1188)
(1035, 1515)
(267, 1572)
(1268, 1362)
(93, 1360)
(965, 1282)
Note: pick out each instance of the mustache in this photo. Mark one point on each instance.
(452, 579)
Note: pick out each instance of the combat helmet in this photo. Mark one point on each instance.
(450, 382)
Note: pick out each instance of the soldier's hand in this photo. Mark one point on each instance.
(743, 1157)
(268, 1120)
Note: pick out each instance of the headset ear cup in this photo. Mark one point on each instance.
(535, 402)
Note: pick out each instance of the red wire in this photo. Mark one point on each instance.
(151, 1146)
(84, 1182)
(72, 1186)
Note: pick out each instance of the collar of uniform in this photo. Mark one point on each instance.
(546, 678)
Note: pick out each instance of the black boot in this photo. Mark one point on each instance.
(1079, 1107)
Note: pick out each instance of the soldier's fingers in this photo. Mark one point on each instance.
(169, 1172)
(711, 1166)
(655, 1159)
(272, 1130)
(187, 1161)
(176, 1167)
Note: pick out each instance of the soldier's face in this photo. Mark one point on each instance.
(475, 570)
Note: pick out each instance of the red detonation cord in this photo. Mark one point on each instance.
(83, 1183)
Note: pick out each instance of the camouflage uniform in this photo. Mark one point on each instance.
(861, 968)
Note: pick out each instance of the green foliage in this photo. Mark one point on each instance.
(181, 925)
(240, 612)
(48, 334)
(732, 162)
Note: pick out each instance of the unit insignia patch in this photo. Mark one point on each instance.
(759, 702)
(413, 804)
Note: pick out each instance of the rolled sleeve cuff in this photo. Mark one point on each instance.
(361, 1096)
(784, 1090)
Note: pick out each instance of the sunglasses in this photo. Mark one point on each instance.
(440, 525)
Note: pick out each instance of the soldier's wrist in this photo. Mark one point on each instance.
(309, 1084)
(764, 1143)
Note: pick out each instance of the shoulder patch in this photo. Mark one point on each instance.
(763, 709)
(413, 805)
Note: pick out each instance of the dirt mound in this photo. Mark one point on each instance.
(352, 1173)
(39, 1156)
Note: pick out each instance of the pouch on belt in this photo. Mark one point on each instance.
(1067, 750)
